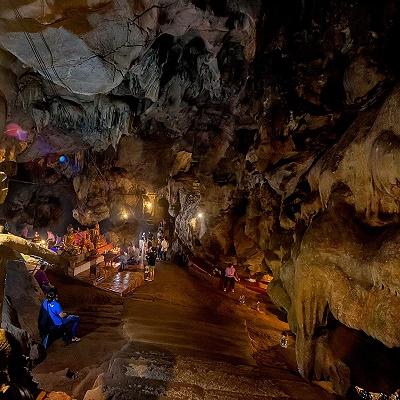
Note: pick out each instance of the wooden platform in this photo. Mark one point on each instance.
(122, 282)
(111, 280)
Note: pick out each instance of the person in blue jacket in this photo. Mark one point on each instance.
(57, 317)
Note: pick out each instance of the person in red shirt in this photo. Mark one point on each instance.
(42, 279)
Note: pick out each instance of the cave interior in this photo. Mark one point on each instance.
(265, 134)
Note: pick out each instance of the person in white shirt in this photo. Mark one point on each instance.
(164, 249)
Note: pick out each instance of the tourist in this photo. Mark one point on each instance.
(68, 324)
(151, 262)
(164, 249)
(159, 249)
(133, 254)
(230, 278)
(123, 260)
(42, 279)
(141, 243)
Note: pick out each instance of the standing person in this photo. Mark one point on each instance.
(230, 278)
(151, 262)
(59, 318)
(141, 249)
(123, 260)
(159, 249)
(42, 279)
(164, 249)
(141, 242)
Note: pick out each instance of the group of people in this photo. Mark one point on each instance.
(159, 243)
(153, 248)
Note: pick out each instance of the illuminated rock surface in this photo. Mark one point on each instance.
(270, 130)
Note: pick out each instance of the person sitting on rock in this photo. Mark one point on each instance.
(60, 320)
(42, 279)
(133, 254)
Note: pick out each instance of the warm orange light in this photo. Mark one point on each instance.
(193, 222)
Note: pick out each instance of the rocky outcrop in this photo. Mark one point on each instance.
(269, 130)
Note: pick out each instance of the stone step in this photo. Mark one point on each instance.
(149, 376)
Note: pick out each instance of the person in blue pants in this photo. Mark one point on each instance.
(58, 317)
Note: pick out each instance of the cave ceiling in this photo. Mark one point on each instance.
(279, 120)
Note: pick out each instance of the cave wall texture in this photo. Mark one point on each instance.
(278, 120)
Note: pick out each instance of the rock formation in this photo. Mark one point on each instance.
(271, 129)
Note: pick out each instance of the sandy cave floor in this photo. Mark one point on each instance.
(182, 313)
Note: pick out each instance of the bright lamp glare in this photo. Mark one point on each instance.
(200, 215)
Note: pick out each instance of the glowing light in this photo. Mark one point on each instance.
(124, 215)
(193, 222)
(14, 130)
(43, 242)
(63, 159)
(148, 205)
(200, 215)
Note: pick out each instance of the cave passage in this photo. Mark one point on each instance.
(199, 199)
(178, 334)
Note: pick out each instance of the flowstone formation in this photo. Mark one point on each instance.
(270, 130)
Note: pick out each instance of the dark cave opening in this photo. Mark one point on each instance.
(373, 365)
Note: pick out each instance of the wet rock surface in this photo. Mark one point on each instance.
(268, 129)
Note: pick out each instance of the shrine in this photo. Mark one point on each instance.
(86, 255)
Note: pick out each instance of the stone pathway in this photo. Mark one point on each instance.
(175, 338)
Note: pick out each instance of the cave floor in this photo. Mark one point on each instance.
(178, 337)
